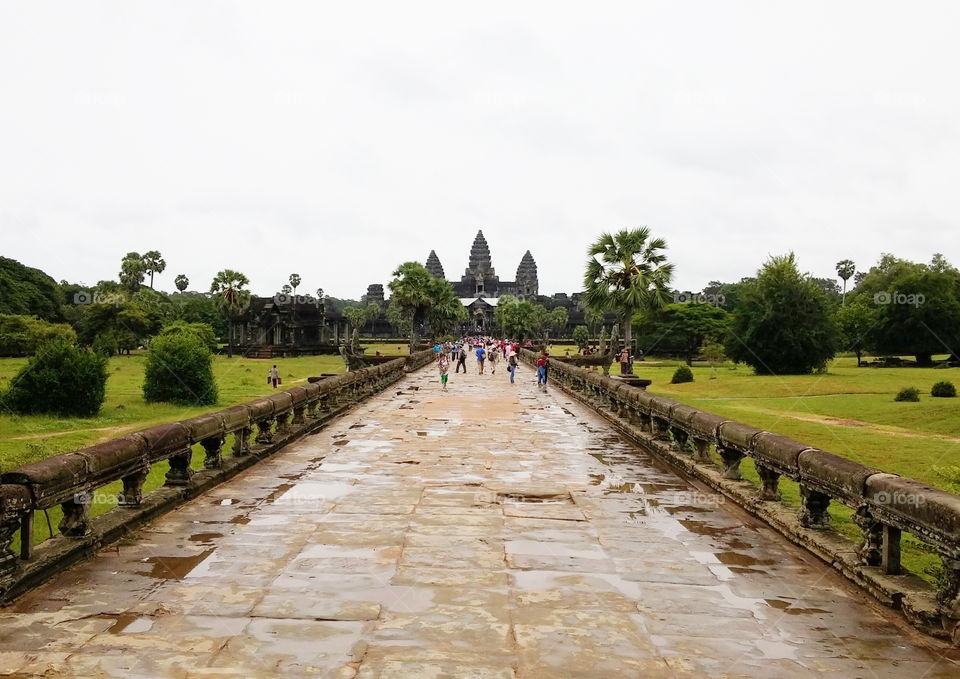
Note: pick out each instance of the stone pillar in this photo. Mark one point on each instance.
(132, 493)
(890, 552)
(264, 433)
(680, 438)
(701, 451)
(213, 450)
(298, 417)
(180, 472)
(813, 508)
(769, 483)
(869, 550)
(241, 441)
(731, 463)
(283, 423)
(76, 516)
(948, 594)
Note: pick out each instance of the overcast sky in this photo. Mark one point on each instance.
(338, 139)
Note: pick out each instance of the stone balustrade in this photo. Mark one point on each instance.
(72, 480)
(885, 505)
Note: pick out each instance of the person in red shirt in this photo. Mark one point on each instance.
(543, 367)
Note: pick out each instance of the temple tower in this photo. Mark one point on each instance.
(527, 283)
(480, 274)
(434, 266)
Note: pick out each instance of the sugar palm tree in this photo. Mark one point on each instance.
(627, 272)
(231, 298)
(845, 269)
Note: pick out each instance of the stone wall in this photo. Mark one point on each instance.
(259, 429)
(710, 448)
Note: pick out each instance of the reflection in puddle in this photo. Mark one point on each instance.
(173, 567)
(130, 624)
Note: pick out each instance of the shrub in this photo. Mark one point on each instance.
(21, 335)
(60, 379)
(943, 389)
(911, 394)
(179, 370)
(681, 375)
(204, 331)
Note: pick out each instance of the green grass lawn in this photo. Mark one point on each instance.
(848, 411)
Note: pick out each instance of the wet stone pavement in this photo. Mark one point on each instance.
(493, 531)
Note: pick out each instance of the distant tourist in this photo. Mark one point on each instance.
(443, 364)
(494, 357)
(481, 357)
(273, 376)
(462, 359)
(512, 364)
(543, 367)
(624, 358)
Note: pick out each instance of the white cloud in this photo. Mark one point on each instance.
(337, 140)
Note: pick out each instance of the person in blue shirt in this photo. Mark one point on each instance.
(481, 356)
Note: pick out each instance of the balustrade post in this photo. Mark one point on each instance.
(769, 483)
(680, 438)
(813, 508)
(701, 451)
(241, 441)
(9, 524)
(283, 423)
(76, 516)
(948, 594)
(132, 493)
(731, 463)
(870, 550)
(890, 556)
(298, 418)
(180, 472)
(264, 432)
(213, 451)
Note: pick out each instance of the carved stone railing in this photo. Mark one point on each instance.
(72, 480)
(884, 505)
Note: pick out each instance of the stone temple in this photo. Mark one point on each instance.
(480, 279)
(480, 286)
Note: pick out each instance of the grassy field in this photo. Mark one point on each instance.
(25, 439)
(848, 411)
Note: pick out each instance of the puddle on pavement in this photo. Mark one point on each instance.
(776, 650)
(278, 491)
(130, 624)
(341, 442)
(173, 567)
(205, 538)
(309, 490)
(521, 497)
(789, 607)
(357, 426)
(227, 501)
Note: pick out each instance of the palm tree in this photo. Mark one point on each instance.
(627, 272)
(182, 282)
(153, 263)
(294, 282)
(845, 269)
(230, 298)
(410, 291)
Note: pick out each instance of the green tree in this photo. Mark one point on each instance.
(294, 282)
(594, 320)
(25, 291)
(182, 282)
(684, 328)
(857, 323)
(918, 307)
(519, 318)
(355, 316)
(581, 336)
(424, 301)
(232, 299)
(558, 319)
(372, 312)
(627, 272)
(782, 324)
(179, 370)
(60, 379)
(132, 272)
(845, 269)
(21, 335)
(153, 263)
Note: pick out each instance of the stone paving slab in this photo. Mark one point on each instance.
(490, 532)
